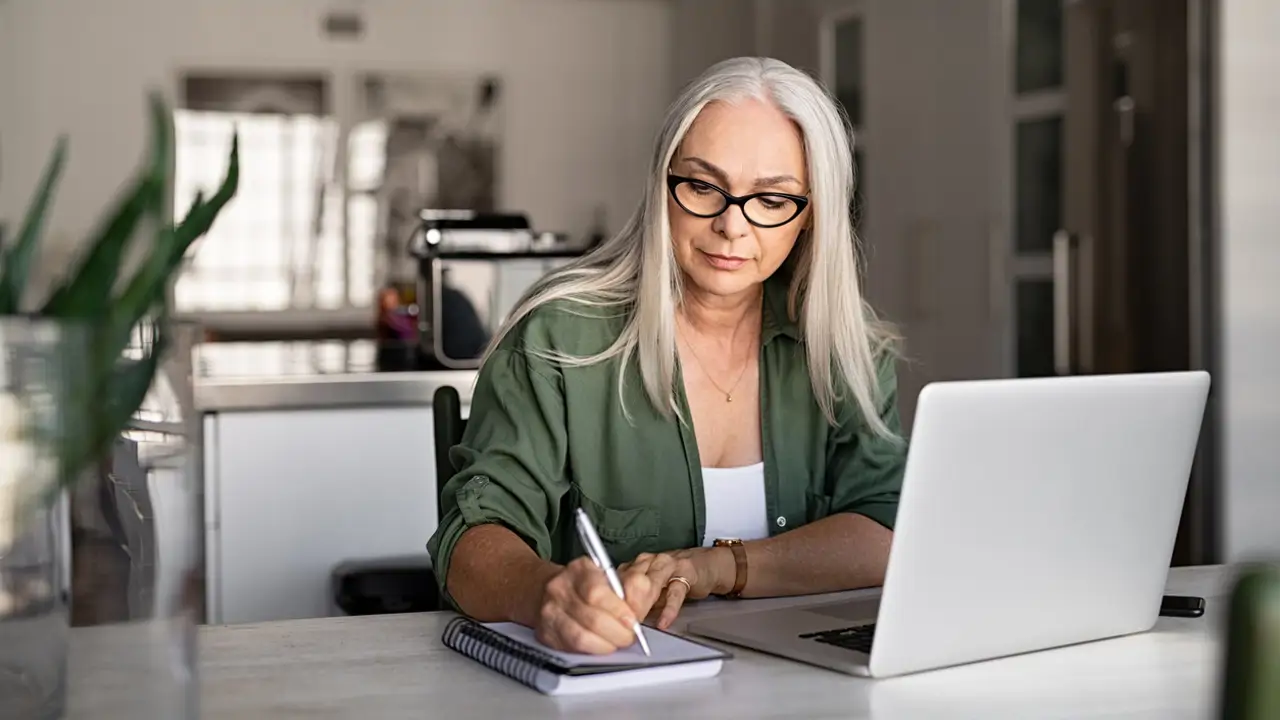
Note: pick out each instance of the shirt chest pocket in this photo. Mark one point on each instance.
(817, 506)
(795, 504)
(625, 532)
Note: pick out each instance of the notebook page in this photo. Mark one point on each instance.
(666, 648)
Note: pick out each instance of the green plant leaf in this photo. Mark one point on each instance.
(129, 384)
(146, 289)
(196, 203)
(201, 216)
(162, 143)
(17, 262)
(108, 401)
(87, 294)
(104, 391)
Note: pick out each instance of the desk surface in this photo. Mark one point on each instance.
(394, 666)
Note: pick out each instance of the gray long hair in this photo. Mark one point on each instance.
(636, 270)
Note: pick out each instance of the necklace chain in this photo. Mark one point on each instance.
(728, 394)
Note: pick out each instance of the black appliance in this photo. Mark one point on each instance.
(472, 270)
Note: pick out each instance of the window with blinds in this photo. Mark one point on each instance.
(331, 185)
(284, 242)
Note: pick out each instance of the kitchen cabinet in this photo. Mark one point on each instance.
(290, 493)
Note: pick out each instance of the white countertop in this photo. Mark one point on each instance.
(394, 666)
(338, 390)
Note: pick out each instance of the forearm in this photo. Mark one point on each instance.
(495, 577)
(841, 552)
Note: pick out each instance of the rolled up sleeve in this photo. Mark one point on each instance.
(510, 462)
(864, 470)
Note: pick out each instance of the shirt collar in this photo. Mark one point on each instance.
(775, 319)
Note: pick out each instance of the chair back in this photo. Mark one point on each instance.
(446, 410)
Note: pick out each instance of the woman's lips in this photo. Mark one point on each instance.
(724, 262)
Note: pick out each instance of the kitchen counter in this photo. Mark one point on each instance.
(306, 468)
(337, 390)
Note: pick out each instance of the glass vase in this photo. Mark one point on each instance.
(137, 558)
(34, 533)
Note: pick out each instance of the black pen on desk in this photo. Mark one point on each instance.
(595, 548)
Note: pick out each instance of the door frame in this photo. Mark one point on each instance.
(1007, 266)
(855, 9)
(828, 22)
(827, 37)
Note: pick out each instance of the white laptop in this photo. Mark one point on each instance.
(1035, 513)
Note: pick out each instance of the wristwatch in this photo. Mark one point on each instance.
(740, 560)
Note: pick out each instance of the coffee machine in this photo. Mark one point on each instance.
(473, 268)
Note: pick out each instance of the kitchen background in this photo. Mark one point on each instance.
(1045, 188)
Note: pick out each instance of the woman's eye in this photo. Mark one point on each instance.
(701, 189)
(773, 203)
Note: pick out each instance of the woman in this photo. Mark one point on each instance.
(708, 385)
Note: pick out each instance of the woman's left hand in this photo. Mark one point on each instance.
(678, 576)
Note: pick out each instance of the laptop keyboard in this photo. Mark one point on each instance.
(857, 638)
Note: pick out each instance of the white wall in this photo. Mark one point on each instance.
(706, 31)
(586, 82)
(935, 136)
(7, 71)
(1249, 172)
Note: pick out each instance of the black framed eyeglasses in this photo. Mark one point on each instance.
(764, 209)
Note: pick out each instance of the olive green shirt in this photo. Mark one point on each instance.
(543, 439)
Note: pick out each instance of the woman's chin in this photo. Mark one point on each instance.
(724, 283)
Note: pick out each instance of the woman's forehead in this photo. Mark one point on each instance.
(750, 137)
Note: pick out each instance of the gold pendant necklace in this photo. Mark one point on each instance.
(728, 394)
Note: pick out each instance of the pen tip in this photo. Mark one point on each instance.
(644, 644)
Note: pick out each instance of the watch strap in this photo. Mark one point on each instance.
(740, 564)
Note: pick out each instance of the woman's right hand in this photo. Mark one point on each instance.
(580, 613)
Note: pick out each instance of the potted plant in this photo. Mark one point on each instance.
(1249, 688)
(68, 391)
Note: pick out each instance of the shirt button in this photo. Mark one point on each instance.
(782, 522)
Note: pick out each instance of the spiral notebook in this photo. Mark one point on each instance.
(512, 650)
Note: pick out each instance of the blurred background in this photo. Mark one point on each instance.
(1045, 187)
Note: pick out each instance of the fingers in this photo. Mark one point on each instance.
(582, 613)
(639, 588)
(669, 594)
(641, 594)
(560, 631)
(617, 632)
(593, 589)
(673, 593)
(676, 593)
(659, 570)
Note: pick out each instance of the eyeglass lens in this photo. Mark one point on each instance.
(702, 199)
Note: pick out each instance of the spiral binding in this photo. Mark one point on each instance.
(497, 651)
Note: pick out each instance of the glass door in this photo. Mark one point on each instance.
(843, 69)
(1037, 103)
(1103, 277)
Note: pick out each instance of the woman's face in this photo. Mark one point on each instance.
(741, 149)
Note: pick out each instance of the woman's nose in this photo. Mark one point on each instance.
(732, 223)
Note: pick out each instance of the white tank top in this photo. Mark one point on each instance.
(734, 498)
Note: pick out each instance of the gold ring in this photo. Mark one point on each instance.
(687, 586)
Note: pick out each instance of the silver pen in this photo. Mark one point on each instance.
(595, 548)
